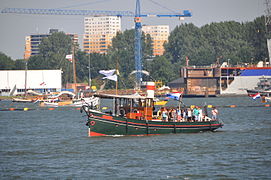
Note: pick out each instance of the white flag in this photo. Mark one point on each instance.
(113, 77)
(69, 57)
(107, 72)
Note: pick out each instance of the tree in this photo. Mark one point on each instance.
(19, 64)
(97, 62)
(6, 63)
(162, 69)
(187, 40)
(256, 36)
(53, 50)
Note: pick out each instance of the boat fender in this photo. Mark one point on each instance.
(90, 115)
(92, 123)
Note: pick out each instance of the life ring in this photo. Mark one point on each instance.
(92, 123)
(122, 112)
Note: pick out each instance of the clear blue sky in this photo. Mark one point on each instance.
(15, 27)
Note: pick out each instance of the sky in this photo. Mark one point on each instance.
(15, 27)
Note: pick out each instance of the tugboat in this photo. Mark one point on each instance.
(134, 115)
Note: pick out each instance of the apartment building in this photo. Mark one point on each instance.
(159, 35)
(99, 31)
(33, 41)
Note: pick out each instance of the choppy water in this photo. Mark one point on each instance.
(43, 144)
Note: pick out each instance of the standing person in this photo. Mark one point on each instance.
(179, 115)
(174, 115)
(189, 114)
(170, 115)
(214, 113)
(165, 115)
(184, 115)
(196, 113)
(200, 114)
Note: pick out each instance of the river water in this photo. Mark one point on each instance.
(53, 144)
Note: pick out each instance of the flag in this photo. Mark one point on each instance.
(113, 77)
(107, 72)
(174, 95)
(69, 57)
(255, 96)
(42, 84)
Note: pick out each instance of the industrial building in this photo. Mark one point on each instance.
(33, 41)
(13, 82)
(219, 80)
(159, 35)
(99, 32)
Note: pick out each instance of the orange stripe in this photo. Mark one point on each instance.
(107, 117)
(91, 133)
(150, 87)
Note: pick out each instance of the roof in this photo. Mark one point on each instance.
(177, 83)
(112, 96)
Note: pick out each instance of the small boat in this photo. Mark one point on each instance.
(134, 115)
(22, 100)
(160, 102)
(66, 98)
(30, 97)
(263, 87)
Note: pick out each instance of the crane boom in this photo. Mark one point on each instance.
(137, 18)
(186, 13)
(67, 12)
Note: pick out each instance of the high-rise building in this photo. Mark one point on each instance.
(159, 35)
(99, 32)
(33, 41)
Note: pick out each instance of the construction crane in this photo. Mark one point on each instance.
(137, 19)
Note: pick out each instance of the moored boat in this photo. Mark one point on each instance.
(66, 98)
(134, 115)
(263, 87)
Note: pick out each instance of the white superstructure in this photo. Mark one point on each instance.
(37, 80)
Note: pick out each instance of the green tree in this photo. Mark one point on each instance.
(162, 69)
(6, 63)
(19, 64)
(97, 62)
(187, 40)
(53, 50)
(256, 36)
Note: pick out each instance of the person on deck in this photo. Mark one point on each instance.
(184, 112)
(164, 115)
(196, 113)
(179, 115)
(189, 115)
(200, 114)
(214, 113)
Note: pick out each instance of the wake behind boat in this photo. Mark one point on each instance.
(134, 115)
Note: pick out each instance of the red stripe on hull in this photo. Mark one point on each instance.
(91, 133)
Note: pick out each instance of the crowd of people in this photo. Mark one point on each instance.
(194, 114)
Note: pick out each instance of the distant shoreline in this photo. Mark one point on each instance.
(220, 95)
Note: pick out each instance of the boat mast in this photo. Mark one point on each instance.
(74, 67)
(89, 76)
(117, 72)
(25, 76)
